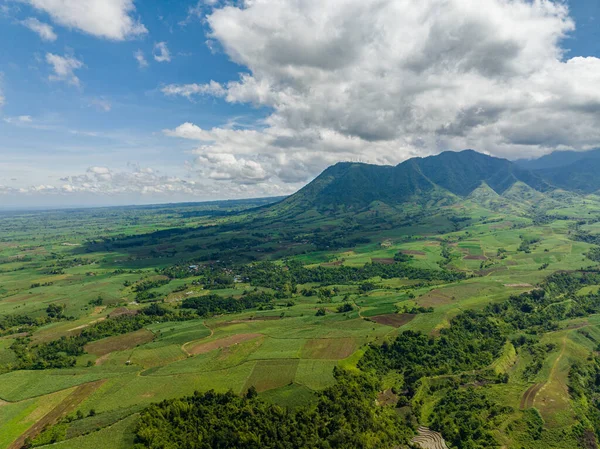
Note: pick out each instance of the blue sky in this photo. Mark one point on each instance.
(295, 87)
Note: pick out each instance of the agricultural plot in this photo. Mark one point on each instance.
(101, 269)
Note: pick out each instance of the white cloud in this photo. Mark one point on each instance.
(20, 120)
(103, 180)
(381, 81)
(64, 68)
(197, 11)
(161, 52)
(45, 31)
(140, 58)
(189, 90)
(110, 19)
(101, 104)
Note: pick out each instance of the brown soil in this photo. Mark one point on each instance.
(119, 342)
(387, 397)
(83, 326)
(393, 319)
(100, 360)
(329, 348)
(256, 318)
(68, 405)
(470, 257)
(388, 261)
(122, 311)
(530, 394)
(589, 440)
(523, 285)
(434, 298)
(412, 252)
(9, 336)
(221, 343)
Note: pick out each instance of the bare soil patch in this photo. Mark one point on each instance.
(393, 319)
(122, 311)
(386, 261)
(523, 285)
(100, 360)
(414, 252)
(434, 298)
(471, 257)
(98, 310)
(258, 318)
(226, 342)
(387, 397)
(83, 326)
(530, 394)
(329, 348)
(119, 342)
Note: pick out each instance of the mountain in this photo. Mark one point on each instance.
(557, 159)
(582, 176)
(439, 179)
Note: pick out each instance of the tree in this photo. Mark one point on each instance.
(347, 307)
(55, 310)
(251, 393)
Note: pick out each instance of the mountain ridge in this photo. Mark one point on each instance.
(443, 177)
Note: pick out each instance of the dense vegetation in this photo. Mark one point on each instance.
(344, 416)
(212, 304)
(472, 341)
(267, 274)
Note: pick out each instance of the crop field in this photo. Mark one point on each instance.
(74, 274)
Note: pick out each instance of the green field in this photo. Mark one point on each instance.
(100, 264)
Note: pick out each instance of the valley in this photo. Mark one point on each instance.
(459, 292)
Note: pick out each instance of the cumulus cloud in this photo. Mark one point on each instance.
(110, 19)
(64, 68)
(381, 81)
(45, 31)
(161, 52)
(140, 58)
(138, 180)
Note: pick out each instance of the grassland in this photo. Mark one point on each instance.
(90, 262)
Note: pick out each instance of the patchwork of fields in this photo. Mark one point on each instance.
(94, 266)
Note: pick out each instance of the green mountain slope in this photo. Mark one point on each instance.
(434, 180)
(582, 176)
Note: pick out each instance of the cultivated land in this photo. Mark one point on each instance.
(96, 265)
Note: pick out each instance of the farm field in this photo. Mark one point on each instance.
(155, 304)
